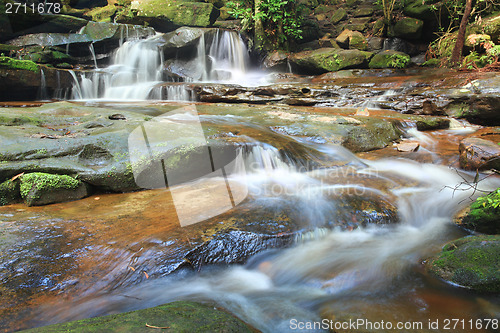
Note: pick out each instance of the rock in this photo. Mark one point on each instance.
(358, 24)
(372, 135)
(179, 13)
(329, 59)
(39, 189)
(481, 109)
(363, 11)
(179, 40)
(479, 154)
(102, 14)
(408, 28)
(277, 60)
(9, 192)
(343, 38)
(389, 59)
(471, 262)
(21, 80)
(310, 31)
(432, 123)
(180, 316)
(420, 10)
(400, 45)
(339, 15)
(407, 146)
(328, 42)
(482, 216)
(358, 41)
(375, 44)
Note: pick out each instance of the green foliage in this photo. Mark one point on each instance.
(399, 61)
(46, 182)
(491, 201)
(281, 20)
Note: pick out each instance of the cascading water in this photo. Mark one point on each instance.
(137, 69)
(347, 273)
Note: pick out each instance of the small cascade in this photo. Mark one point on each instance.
(134, 72)
(43, 94)
(137, 73)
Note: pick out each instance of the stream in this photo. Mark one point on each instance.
(358, 225)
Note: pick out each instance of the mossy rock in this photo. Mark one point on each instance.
(10, 63)
(198, 14)
(421, 10)
(9, 192)
(102, 14)
(433, 62)
(432, 123)
(482, 215)
(330, 60)
(389, 59)
(358, 41)
(177, 316)
(339, 15)
(407, 28)
(39, 188)
(472, 262)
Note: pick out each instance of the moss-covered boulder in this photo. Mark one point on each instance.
(177, 317)
(407, 28)
(39, 188)
(479, 154)
(420, 9)
(432, 123)
(358, 41)
(390, 59)
(339, 15)
(471, 262)
(180, 13)
(483, 215)
(102, 14)
(329, 60)
(9, 192)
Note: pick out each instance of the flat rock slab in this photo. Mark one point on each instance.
(407, 146)
(479, 154)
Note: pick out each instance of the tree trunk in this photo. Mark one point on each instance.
(459, 44)
(259, 27)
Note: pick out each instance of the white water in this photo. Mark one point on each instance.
(326, 266)
(136, 70)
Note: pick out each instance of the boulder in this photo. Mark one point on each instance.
(421, 10)
(482, 215)
(408, 28)
(363, 11)
(329, 60)
(339, 15)
(389, 59)
(432, 123)
(182, 38)
(471, 262)
(42, 188)
(179, 13)
(481, 109)
(479, 154)
(180, 316)
(277, 60)
(358, 41)
(102, 14)
(358, 24)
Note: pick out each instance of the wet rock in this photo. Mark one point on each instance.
(358, 24)
(102, 14)
(375, 43)
(432, 123)
(400, 45)
(407, 146)
(39, 189)
(182, 38)
(178, 316)
(421, 10)
(390, 59)
(372, 135)
(408, 28)
(363, 11)
(479, 154)
(329, 59)
(470, 262)
(117, 116)
(482, 215)
(480, 109)
(277, 60)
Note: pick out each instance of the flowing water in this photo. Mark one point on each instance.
(333, 273)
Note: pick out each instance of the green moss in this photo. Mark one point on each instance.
(390, 59)
(33, 184)
(178, 316)
(9, 192)
(472, 262)
(484, 214)
(432, 123)
(16, 120)
(10, 63)
(434, 62)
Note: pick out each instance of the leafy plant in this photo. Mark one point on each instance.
(492, 200)
(399, 61)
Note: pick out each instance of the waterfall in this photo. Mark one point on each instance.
(137, 66)
(43, 95)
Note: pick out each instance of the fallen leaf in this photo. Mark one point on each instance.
(146, 274)
(97, 198)
(132, 268)
(17, 176)
(158, 327)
